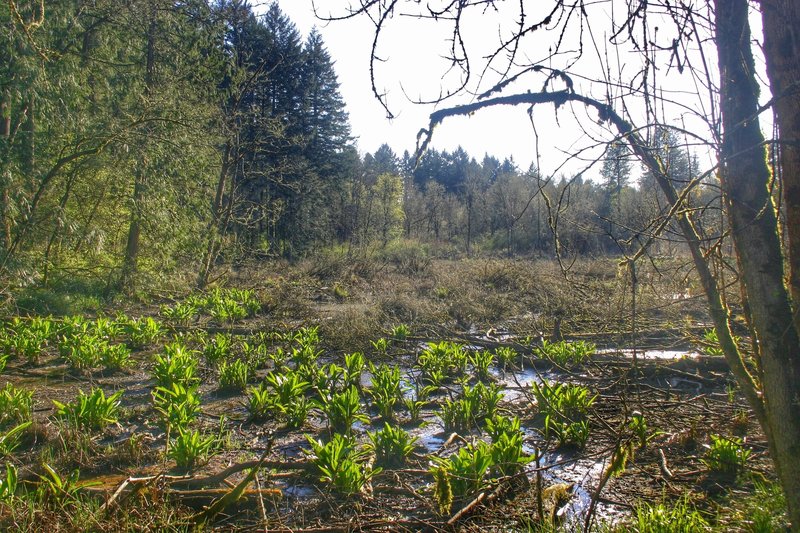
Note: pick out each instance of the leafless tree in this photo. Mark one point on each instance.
(621, 71)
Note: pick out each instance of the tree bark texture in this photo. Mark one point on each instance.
(781, 21)
(745, 179)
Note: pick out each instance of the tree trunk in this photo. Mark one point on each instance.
(130, 262)
(781, 20)
(214, 226)
(745, 181)
(5, 114)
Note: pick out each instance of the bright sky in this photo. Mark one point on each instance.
(412, 67)
(501, 132)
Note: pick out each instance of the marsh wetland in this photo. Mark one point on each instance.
(483, 395)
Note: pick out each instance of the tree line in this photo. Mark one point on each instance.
(150, 137)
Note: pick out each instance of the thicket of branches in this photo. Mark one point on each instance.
(624, 71)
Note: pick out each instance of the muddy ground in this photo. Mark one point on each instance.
(482, 304)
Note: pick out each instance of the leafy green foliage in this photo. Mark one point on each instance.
(343, 410)
(225, 305)
(457, 415)
(88, 351)
(116, 357)
(564, 407)
(219, 348)
(326, 379)
(400, 332)
(392, 445)
(506, 356)
(726, 455)
(15, 405)
(481, 362)
(142, 332)
(353, 367)
(565, 353)
(506, 450)
(282, 396)
(385, 390)
(638, 426)
(470, 410)
(260, 403)
(418, 401)
(8, 483)
(233, 376)
(664, 518)
(341, 464)
(287, 387)
(177, 405)
(27, 338)
(93, 411)
(182, 313)
(443, 360)
(710, 345)
(56, 490)
(466, 470)
(381, 345)
(177, 364)
(190, 448)
(10, 440)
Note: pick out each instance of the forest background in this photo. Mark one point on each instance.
(154, 142)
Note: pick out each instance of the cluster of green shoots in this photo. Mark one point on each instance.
(443, 361)
(565, 353)
(564, 407)
(342, 464)
(83, 344)
(86, 345)
(476, 465)
(25, 338)
(90, 412)
(176, 400)
(472, 408)
(726, 455)
(222, 305)
(664, 518)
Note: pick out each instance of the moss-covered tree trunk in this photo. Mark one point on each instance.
(781, 20)
(754, 224)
